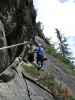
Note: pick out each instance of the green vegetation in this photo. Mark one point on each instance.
(63, 46)
(51, 51)
(69, 70)
(44, 78)
(65, 62)
(62, 53)
(31, 70)
(71, 98)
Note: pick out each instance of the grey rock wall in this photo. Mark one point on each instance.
(19, 88)
(17, 22)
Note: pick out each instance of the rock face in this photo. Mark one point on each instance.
(17, 22)
(4, 58)
(19, 88)
(16, 26)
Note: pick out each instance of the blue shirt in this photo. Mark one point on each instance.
(40, 51)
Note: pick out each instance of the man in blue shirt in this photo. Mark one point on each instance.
(40, 55)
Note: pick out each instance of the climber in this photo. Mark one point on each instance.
(40, 55)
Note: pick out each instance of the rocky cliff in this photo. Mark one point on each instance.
(17, 19)
(17, 24)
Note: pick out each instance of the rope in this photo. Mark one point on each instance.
(11, 46)
(7, 47)
(28, 90)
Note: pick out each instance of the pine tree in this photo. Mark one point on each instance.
(63, 46)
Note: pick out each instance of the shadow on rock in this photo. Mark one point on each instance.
(8, 75)
(6, 78)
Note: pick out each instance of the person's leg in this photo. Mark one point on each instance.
(41, 63)
(37, 61)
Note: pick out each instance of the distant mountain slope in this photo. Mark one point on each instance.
(59, 72)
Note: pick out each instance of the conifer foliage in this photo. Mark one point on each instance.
(63, 46)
